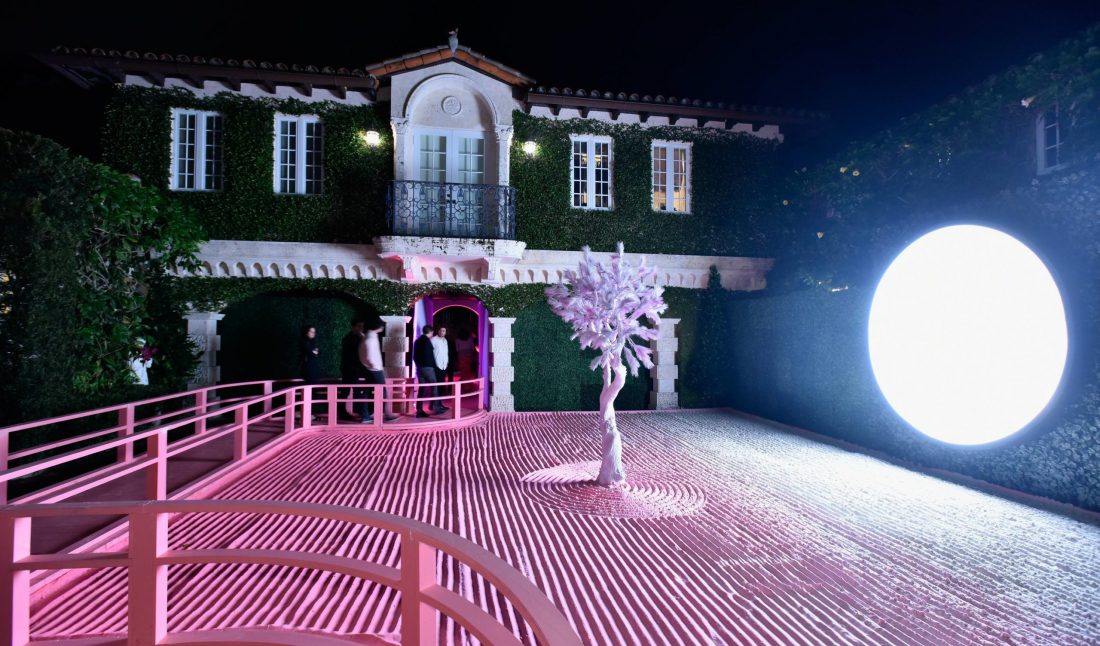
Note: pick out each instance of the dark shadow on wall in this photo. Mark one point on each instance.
(261, 337)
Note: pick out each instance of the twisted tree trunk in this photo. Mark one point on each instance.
(611, 470)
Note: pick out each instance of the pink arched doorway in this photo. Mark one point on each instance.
(464, 316)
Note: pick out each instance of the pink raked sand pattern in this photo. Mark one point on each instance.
(730, 532)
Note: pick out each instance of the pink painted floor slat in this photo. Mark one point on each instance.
(732, 532)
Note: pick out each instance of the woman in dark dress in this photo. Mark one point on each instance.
(311, 363)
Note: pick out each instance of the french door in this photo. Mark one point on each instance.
(451, 165)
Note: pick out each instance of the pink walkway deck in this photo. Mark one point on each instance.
(730, 533)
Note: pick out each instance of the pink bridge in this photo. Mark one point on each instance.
(486, 527)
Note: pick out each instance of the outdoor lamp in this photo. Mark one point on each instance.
(529, 147)
(372, 138)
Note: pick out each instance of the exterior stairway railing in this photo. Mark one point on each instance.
(147, 556)
(434, 209)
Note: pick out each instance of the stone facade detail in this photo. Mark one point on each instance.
(452, 260)
(664, 373)
(202, 329)
(501, 374)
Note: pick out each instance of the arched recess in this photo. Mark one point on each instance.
(467, 320)
(446, 115)
(261, 335)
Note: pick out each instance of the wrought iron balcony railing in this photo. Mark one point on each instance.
(451, 210)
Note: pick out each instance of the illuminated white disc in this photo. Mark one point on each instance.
(967, 335)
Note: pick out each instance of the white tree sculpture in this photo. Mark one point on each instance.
(605, 306)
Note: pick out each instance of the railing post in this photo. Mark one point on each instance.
(330, 394)
(457, 385)
(240, 433)
(15, 585)
(147, 612)
(5, 448)
(379, 412)
(267, 391)
(156, 474)
(200, 411)
(288, 414)
(418, 622)
(307, 407)
(480, 393)
(126, 421)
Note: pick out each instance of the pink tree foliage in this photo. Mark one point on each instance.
(605, 306)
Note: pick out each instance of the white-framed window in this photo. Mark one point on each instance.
(1048, 140)
(299, 154)
(590, 171)
(672, 176)
(198, 138)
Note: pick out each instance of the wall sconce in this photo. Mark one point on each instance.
(529, 147)
(372, 138)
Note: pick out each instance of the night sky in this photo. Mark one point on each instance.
(866, 65)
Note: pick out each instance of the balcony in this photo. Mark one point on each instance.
(439, 210)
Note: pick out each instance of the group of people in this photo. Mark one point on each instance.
(436, 359)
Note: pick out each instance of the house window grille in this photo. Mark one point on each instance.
(590, 172)
(671, 177)
(197, 147)
(299, 154)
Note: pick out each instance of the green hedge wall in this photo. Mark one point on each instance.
(137, 139)
(261, 335)
(552, 372)
(733, 191)
(83, 260)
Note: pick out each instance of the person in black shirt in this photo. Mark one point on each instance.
(424, 356)
(351, 371)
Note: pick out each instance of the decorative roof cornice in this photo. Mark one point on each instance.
(92, 67)
(646, 105)
(442, 54)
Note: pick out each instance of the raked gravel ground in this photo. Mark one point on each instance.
(731, 532)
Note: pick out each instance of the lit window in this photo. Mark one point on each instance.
(590, 171)
(672, 176)
(1049, 140)
(299, 154)
(197, 139)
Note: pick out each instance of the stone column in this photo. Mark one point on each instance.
(202, 329)
(395, 345)
(665, 371)
(400, 143)
(504, 151)
(501, 372)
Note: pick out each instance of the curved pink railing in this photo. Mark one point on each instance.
(148, 557)
(206, 415)
(294, 404)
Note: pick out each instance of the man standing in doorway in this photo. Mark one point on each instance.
(351, 371)
(442, 354)
(370, 357)
(424, 356)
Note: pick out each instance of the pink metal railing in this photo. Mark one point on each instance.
(294, 404)
(148, 557)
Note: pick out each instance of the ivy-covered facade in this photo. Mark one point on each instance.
(439, 174)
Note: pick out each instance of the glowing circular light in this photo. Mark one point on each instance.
(967, 335)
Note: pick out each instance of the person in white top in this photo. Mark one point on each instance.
(442, 353)
(370, 355)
